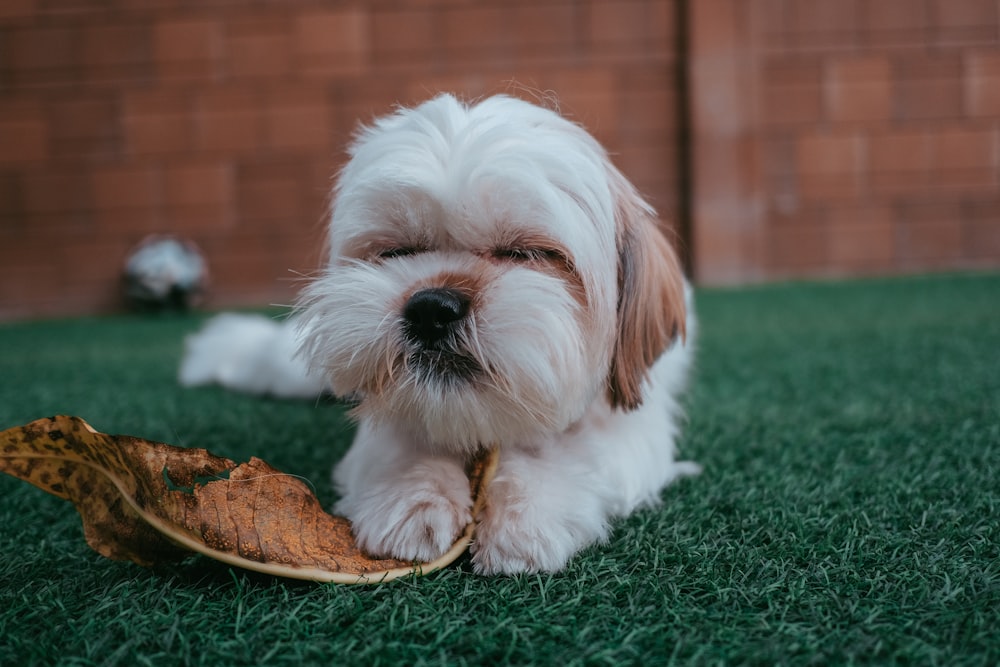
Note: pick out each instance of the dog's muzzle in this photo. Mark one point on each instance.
(431, 318)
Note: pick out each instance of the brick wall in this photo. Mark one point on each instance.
(224, 121)
(838, 138)
(828, 138)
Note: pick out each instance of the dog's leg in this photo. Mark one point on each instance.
(540, 510)
(404, 502)
(549, 501)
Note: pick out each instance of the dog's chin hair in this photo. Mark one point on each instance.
(447, 416)
(459, 408)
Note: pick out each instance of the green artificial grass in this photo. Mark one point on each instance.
(848, 512)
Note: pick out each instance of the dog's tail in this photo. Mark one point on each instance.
(249, 353)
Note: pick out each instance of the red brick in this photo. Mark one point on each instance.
(334, 42)
(648, 100)
(591, 96)
(649, 112)
(981, 233)
(297, 118)
(163, 6)
(56, 191)
(127, 187)
(543, 28)
(814, 24)
(95, 280)
(291, 127)
(651, 164)
(30, 282)
(727, 217)
(272, 192)
(191, 48)
(10, 201)
(243, 263)
(958, 21)
(716, 26)
(969, 170)
(359, 101)
(616, 22)
(396, 32)
(727, 167)
(770, 20)
(74, 9)
(899, 152)
(828, 153)
(829, 166)
(45, 48)
(797, 243)
(779, 171)
(199, 184)
(479, 31)
(964, 148)
(68, 225)
(194, 221)
(830, 186)
(792, 92)
(928, 87)
(117, 52)
(259, 46)
(982, 84)
(721, 254)
(230, 120)
(634, 27)
(893, 22)
(859, 89)
(85, 125)
(43, 56)
(17, 9)
(129, 223)
(24, 133)
(861, 237)
(928, 233)
(159, 122)
(320, 172)
(661, 28)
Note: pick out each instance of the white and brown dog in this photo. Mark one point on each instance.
(492, 279)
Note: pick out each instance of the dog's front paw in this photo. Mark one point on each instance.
(415, 517)
(516, 534)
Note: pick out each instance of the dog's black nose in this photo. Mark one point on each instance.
(430, 313)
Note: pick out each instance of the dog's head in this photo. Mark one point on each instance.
(491, 275)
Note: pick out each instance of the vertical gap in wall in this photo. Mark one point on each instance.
(682, 110)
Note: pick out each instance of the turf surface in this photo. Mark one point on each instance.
(848, 512)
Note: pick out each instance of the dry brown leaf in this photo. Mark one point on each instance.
(149, 502)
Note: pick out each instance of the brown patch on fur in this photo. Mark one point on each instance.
(651, 308)
(468, 284)
(556, 262)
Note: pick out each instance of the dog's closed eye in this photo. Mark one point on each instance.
(527, 254)
(392, 253)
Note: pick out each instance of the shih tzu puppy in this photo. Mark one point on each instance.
(492, 280)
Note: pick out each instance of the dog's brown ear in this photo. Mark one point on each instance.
(651, 308)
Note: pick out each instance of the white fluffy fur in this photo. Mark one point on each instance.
(457, 187)
(250, 353)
